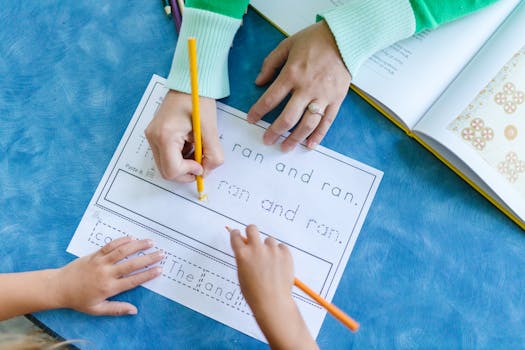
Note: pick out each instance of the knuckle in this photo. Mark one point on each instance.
(269, 241)
(265, 103)
(170, 174)
(162, 136)
(242, 256)
(121, 252)
(120, 310)
(107, 248)
(293, 72)
(287, 123)
(216, 160)
(105, 287)
(283, 248)
(310, 124)
(149, 132)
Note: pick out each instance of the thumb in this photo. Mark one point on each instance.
(273, 62)
(113, 308)
(188, 169)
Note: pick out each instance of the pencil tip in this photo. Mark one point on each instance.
(203, 197)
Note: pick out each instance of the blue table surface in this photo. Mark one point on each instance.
(435, 266)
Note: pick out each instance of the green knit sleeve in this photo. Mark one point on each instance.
(231, 8)
(430, 14)
(362, 27)
(214, 24)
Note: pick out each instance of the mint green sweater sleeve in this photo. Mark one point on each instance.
(214, 24)
(362, 27)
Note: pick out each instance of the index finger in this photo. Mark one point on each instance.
(237, 241)
(108, 248)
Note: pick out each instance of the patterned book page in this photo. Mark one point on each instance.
(493, 124)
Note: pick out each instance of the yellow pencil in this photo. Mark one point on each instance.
(196, 114)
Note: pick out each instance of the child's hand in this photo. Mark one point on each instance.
(266, 277)
(86, 283)
(265, 269)
(170, 137)
(312, 72)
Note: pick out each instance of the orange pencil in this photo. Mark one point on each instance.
(196, 113)
(331, 308)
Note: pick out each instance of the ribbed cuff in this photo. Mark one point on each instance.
(214, 33)
(362, 27)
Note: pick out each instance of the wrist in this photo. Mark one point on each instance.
(283, 325)
(56, 288)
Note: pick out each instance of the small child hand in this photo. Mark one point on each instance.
(265, 269)
(86, 283)
(170, 135)
(266, 277)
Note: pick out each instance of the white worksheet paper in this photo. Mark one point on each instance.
(315, 202)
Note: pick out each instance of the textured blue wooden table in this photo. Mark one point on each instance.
(436, 266)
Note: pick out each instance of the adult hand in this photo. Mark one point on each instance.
(313, 72)
(170, 135)
(87, 282)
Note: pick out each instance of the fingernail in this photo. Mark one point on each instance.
(286, 148)
(312, 145)
(258, 76)
(250, 118)
(160, 253)
(269, 139)
(149, 242)
(158, 270)
(132, 312)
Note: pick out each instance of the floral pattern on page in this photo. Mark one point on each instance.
(493, 124)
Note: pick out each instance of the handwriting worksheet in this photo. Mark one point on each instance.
(314, 201)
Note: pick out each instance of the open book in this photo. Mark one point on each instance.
(459, 90)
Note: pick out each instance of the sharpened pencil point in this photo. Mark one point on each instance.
(203, 197)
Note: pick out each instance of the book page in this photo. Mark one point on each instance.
(407, 77)
(410, 75)
(485, 139)
(314, 202)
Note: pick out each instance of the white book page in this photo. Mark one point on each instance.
(315, 202)
(407, 77)
(485, 139)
